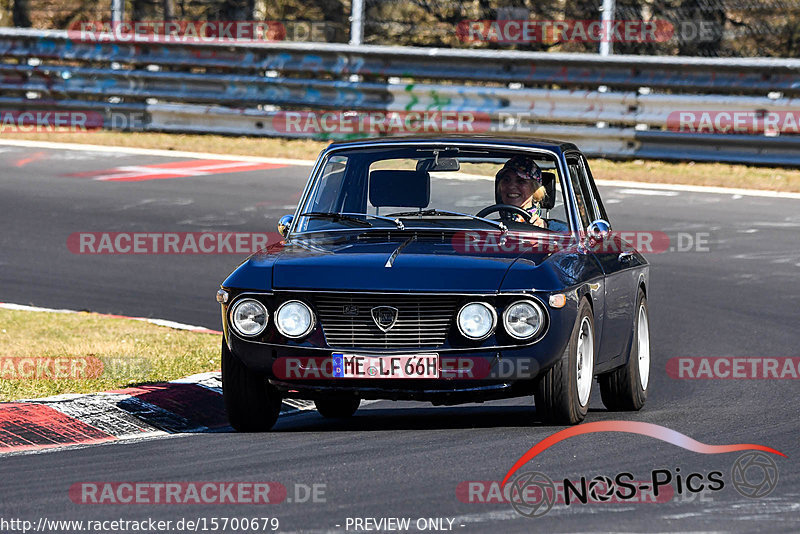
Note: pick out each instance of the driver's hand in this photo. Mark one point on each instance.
(538, 221)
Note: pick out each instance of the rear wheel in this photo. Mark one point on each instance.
(562, 392)
(252, 404)
(625, 389)
(337, 408)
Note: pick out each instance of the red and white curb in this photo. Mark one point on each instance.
(189, 405)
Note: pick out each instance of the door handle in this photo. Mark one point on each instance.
(626, 256)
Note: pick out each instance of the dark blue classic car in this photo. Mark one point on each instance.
(444, 270)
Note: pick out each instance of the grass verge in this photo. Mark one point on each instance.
(45, 353)
(711, 174)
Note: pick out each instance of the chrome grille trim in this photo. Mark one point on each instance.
(423, 320)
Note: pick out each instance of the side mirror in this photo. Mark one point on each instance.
(284, 223)
(598, 230)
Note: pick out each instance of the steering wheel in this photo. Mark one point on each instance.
(504, 207)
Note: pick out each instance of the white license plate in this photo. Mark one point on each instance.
(400, 366)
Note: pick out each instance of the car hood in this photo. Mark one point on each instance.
(418, 265)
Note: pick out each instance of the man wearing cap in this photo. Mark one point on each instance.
(519, 183)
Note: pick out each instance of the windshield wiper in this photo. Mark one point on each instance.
(335, 217)
(354, 217)
(500, 226)
(396, 222)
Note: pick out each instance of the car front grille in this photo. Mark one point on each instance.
(422, 320)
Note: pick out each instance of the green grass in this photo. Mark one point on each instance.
(132, 352)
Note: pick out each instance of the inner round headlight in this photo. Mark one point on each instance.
(477, 320)
(523, 319)
(249, 317)
(294, 319)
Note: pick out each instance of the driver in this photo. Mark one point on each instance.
(519, 183)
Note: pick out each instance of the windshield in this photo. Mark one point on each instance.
(412, 187)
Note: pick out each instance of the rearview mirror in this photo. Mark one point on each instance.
(439, 164)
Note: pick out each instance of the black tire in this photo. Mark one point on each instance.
(252, 404)
(337, 407)
(621, 389)
(556, 391)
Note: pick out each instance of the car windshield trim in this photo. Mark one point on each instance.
(410, 229)
(553, 153)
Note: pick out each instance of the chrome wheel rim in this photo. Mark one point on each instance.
(643, 348)
(585, 355)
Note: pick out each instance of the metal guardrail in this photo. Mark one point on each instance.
(615, 106)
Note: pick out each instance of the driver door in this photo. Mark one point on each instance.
(620, 281)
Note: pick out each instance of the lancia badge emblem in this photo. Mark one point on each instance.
(384, 317)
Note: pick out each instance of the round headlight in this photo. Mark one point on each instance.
(523, 319)
(476, 320)
(294, 319)
(249, 317)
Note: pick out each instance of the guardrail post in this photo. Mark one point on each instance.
(117, 12)
(357, 22)
(606, 46)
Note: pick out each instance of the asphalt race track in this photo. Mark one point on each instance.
(738, 298)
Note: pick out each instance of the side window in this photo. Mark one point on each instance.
(328, 193)
(586, 206)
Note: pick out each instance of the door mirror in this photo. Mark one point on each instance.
(598, 230)
(284, 223)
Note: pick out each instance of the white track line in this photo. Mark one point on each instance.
(159, 322)
(152, 152)
(698, 189)
(309, 163)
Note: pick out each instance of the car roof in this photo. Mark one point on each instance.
(526, 142)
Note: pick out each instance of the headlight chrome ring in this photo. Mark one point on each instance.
(249, 317)
(297, 325)
(481, 312)
(516, 313)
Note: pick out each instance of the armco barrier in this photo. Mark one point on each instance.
(616, 106)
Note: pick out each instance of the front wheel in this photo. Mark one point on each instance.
(562, 392)
(337, 408)
(625, 388)
(252, 404)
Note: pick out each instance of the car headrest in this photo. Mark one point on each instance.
(549, 183)
(404, 189)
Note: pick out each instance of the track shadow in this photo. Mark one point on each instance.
(417, 418)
